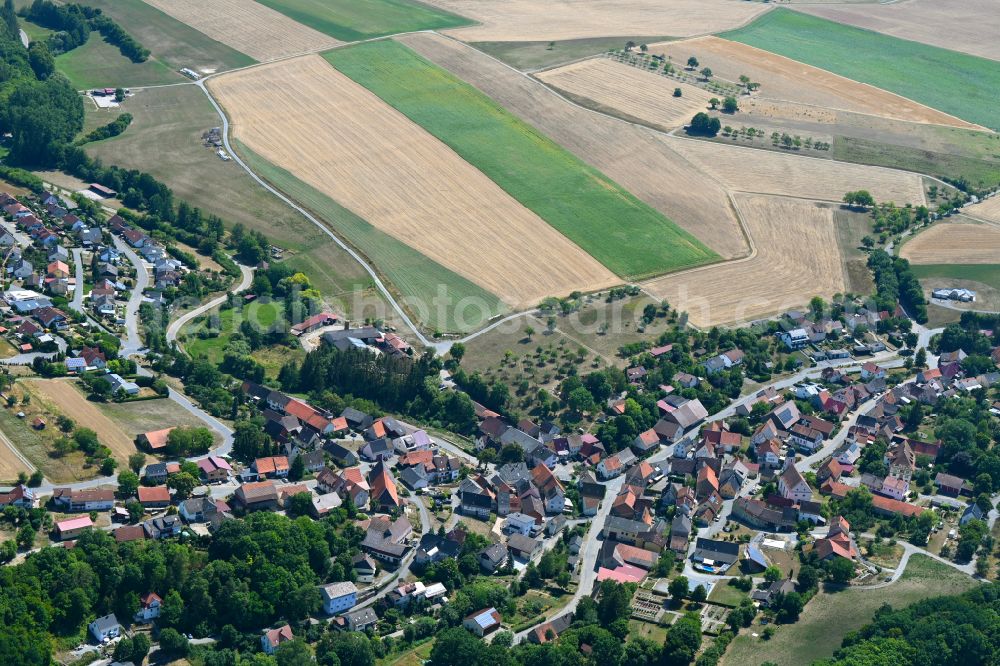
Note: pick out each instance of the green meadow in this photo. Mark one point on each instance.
(354, 20)
(629, 237)
(962, 85)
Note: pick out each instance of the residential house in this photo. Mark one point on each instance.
(360, 620)
(257, 495)
(155, 440)
(153, 497)
(338, 597)
(521, 546)
(72, 527)
(273, 638)
(793, 486)
(715, 556)
(385, 539)
(215, 469)
(20, 496)
(364, 568)
(493, 557)
(483, 622)
(149, 607)
(105, 628)
(837, 543)
(91, 499)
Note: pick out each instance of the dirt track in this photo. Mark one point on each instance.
(785, 79)
(347, 143)
(543, 20)
(629, 90)
(797, 258)
(66, 399)
(955, 243)
(247, 26)
(631, 156)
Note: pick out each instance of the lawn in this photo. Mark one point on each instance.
(139, 417)
(353, 20)
(988, 274)
(413, 657)
(726, 595)
(97, 64)
(412, 274)
(573, 197)
(539, 55)
(956, 83)
(170, 41)
(654, 632)
(828, 617)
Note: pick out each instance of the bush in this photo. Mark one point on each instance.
(704, 125)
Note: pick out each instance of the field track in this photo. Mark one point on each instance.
(66, 399)
(764, 171)
(544, 20)
(955, 243)
(631, 156)
(347, 143)
(971, 26)
(629, 90)
(247, 26)
(785, 79)
(797, 258)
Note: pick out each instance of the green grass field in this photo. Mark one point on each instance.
(353, 20)
(988, 274)
(170, 41)
(611, 224)
(828, 617)
(412, 274)
(956, 83)
(97, 64)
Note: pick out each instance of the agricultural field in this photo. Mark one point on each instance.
(852, 226)
(135, 418)
(97, 64)
(964, 85)
(828, 617)
(573, 198)
(416, 278)
(954, 243)
(812, 90)
(174, 43)
(177, 116)
(247, 26)
(948, 24)
(355, 20)
(538, 55)
(10, 464)
(795, 175)
(987, 210)
(772, 280)
(514, 255)
(543, 20)
(628, 92)
(629, 155)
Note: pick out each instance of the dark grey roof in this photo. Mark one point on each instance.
(720, 551)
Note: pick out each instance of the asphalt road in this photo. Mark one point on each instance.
(77, 302)
(175, 327)
(133, 342)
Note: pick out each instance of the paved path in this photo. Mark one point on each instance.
(24, 38)
(77, 302)
(175, 327)
(132, 341)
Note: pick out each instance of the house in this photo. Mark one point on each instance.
(768, 454)
(521, 546)
(483, 622)
(493, 557)
(687, 414)
(198, 509)
(793, 486)
(71, 528)
(763, 516)
(377, 450)
(715, 556)
(153, 497)
(257, 495)
(155, 440)
(972, 512)
(871, 371)
(551, 490)
(551, 630)
(273, 638)
(338, 597)
(949, 485)
(341, 455)
(364, 568)
(383, 488)
(91, 499)
(20, 496)
(385, 539)
(149, 607)
(797, 338)
(850, 455)
(680, 533)
(215, 469)
(519, 523)
(768, 595)
(645, 442)
(271, 467)
(118, 383)
(163, 527)
(837, 543)
(895, 487)
(105, 628)
(360, 620)
(686, 380)
(475, 498)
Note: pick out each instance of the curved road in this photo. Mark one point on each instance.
(133, 342)
(176, 326)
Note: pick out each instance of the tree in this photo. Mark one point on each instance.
(119, 95)
(140, 647)
(706, 73)
(808, 577)
(920, 358)
(297, 469)
(692, 62)
(614, 602)
(841, 570)
(10, 20)
(128, 483)
(859, 198)
(678, 92)
(455, 646)
(36, 479)
(699, 594)
(25, 536)
(457, 352)
(65, 423)
(529, 331)
(678, 588)
(683, 641)
(41, 60)
(182, 484)
(511, 453)
(580, 400)
(293, 653)
(108, 466)
(249, 441)
(172, 643)
(136, 461)
(713, 103)
(790, 606)
(704, 125)
(730, 105)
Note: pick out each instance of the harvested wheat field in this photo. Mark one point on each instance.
(629, 155)
(776, 278)
(247, 26)
(789, 80)
(350, 145)
(544, 20)
(628, 91)
(767, 172)
(971, 26)
(988, 210)
(955, 243)
(10, 464)
(61, 397)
